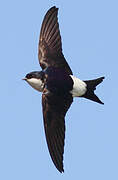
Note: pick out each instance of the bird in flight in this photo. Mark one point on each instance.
(58, 86)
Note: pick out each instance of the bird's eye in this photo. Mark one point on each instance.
(29, 76)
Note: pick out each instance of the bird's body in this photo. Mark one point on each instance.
(58, 86)
(59, 82)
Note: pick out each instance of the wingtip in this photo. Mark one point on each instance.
(101, 103)
(103, 77)
(61, 170)
(60, 167)
(53, 8)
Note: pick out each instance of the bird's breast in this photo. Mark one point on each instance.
(36, 84)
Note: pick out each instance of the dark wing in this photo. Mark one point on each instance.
(54, 111)
(50, 46)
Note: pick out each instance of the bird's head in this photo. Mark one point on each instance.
(36, 80)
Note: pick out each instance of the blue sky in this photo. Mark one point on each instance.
(89, 31)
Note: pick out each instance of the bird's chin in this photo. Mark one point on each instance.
(37, 84)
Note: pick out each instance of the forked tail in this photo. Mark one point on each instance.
(91, 86)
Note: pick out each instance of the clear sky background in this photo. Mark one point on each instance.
(89, 31)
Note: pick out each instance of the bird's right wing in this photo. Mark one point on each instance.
(50, 45)
(54, 111)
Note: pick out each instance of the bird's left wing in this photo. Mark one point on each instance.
(54, 111)
(50, 45)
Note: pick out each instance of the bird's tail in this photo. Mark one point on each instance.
(91, 86)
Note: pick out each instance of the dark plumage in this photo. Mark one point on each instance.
(58, 86)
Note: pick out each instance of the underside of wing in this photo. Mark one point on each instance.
(50, 45)
(54, 111)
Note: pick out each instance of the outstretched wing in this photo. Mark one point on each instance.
(54, 111)
(50, 46)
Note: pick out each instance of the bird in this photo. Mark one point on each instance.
(58, 86)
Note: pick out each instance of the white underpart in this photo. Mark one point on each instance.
(36, 84)
(79, 87)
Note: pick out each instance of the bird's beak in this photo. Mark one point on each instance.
(24, 79)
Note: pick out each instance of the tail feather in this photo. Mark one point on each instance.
(91, 86)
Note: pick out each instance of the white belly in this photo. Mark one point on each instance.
(79, 87)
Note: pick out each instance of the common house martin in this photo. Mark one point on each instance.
(58, 86)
